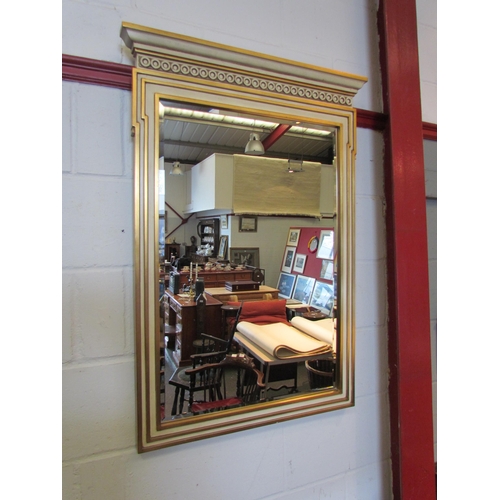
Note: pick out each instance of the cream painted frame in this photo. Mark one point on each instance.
(176, 67)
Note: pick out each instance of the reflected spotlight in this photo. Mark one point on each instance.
(176, 169)
(254, 146)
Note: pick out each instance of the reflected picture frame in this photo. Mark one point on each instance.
(293, 237)
(303, 289)
(326, 272)
(323, 297)
(288, 259)
(222, 248)
(326, 244)
(244, 256)
(285, 285)
(300, 263)
(248, 224)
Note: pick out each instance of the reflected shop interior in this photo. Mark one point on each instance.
(247, 259)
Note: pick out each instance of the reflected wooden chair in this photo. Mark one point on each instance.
(211, 350)
(233, 382)
(212, 344)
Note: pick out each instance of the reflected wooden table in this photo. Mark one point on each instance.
(284, 369)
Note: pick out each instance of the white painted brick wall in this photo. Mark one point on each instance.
(427, 43)
(430, 152)
(321, 453)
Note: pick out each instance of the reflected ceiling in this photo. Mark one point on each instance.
(191, 135)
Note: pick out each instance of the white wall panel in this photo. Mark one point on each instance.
(369, 168)
(430, 157)
(67, 317)
(371, 354)
(98, 408)
(427, 51)
(371, 293)
(99, 313)
(366, 482)
(66, 125)
(97, 221)
(101, 131)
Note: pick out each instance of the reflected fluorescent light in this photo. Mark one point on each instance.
(254, 146)
(214, 115)
(176, 169)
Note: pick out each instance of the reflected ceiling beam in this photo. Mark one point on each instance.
(278, 132)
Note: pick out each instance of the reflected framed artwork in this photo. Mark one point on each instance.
(244, 256)
(285, 285)
(300, 263)
(325, 248)
(287, 264)
(303, 289)
(326, 272)
(248, 224)
(222, 248)
(322, 297)
(293, 237)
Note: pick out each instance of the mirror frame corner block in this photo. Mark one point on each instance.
(185, 69)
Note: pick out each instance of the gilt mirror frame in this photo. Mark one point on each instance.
(180, 68)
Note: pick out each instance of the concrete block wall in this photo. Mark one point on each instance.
(343, 454)
(427, 43)
(430, 158)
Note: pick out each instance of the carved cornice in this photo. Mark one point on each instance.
(172, 53)
(241, 79)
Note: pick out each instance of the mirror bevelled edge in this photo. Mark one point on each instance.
(182, 68)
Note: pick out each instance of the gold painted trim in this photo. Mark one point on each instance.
(214, 73)
(147, 89)
(257, 96)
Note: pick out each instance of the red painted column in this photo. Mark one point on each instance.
(410, 385)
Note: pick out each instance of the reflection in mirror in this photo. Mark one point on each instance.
(240, 260)
(208, 144)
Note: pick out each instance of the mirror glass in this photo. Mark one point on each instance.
(286, 256)
(244, 195)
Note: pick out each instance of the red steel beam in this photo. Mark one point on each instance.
(409, 346)
(278, 132)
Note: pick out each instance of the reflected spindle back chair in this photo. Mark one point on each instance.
(231, 383)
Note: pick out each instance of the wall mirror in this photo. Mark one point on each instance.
(194, 100)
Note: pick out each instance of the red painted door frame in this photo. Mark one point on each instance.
(410, 383)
